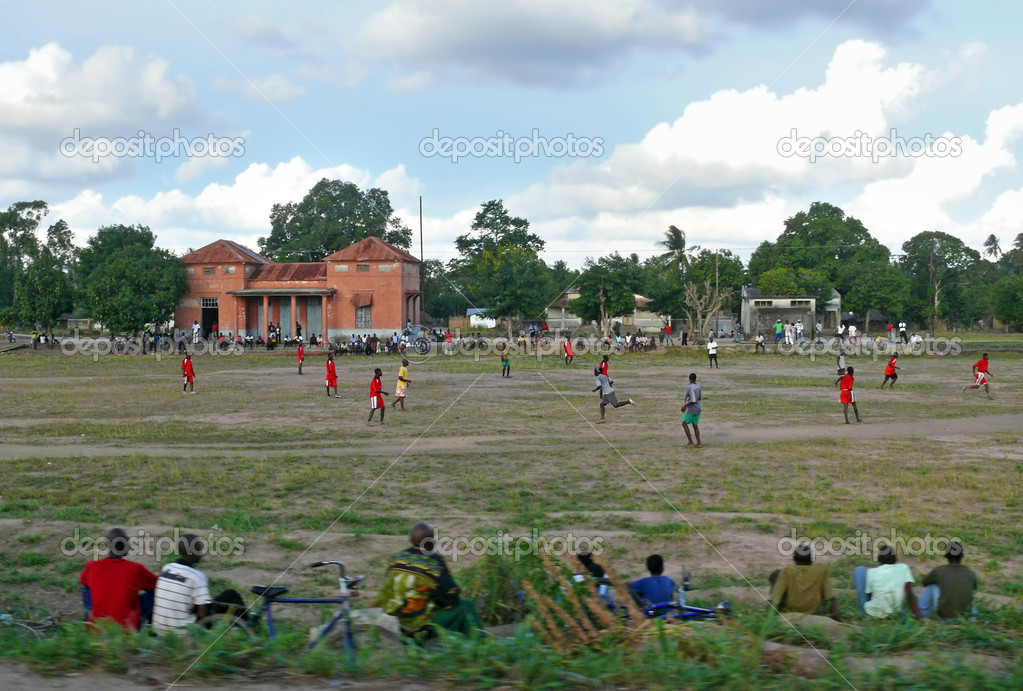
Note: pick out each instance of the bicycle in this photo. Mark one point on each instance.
(274, 594)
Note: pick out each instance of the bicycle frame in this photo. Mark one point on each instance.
(343, 599)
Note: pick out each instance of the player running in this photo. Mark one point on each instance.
(607, 393)
(980, 370)
(568, 350)
(399, 391)
(848, 395)
(187, 375)
(376, 396)
(889, 371)
(331, 380)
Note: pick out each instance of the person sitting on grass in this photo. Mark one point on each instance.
(112, 585)
(882, 589)
(419, 590)
(655, 589)
(182, 595)
(803, 586)
(949, 588)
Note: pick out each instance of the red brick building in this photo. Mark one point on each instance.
(369, 287)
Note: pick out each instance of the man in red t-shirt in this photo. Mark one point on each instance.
(113, 584)
(847, 396)
(376, 396)
(187, 374)
(667, 333)
(568, 350)
(301, 356)
(331, 380)
(889, 371)
(980, 370)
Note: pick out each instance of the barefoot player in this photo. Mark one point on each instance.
(187, 374)
(848, 396)
(607, 394)
(376, 396)
(403, 381)
(331, 380)
(505, 362)
(692, 409)
(980, 371)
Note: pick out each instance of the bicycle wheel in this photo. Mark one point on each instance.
(227, 624)
(370, 629)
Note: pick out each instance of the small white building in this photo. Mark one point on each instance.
(760, 312)
(478, 321)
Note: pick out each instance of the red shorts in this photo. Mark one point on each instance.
(188, 379)
(848, 396)
(331, 381)
(376, 402)
(981, 379)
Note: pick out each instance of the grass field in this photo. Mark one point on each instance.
(261, 455)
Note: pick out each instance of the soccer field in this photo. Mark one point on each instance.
(262, 458)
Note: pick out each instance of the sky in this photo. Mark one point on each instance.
(602, 122)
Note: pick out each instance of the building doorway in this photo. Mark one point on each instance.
(210, 315)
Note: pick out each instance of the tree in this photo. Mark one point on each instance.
(991, 247)
(607, 289)
(494, 228)
(333, 215)
(43, 292)
(442, 297)
(1018, 243)
(663, 274)
(127, 282)
(1008, 301)
(512, 282)
(18, 244)
(935, 260)
(702, 303)
(878, 285)
(723, 269)
(823, 239)
(781, 281)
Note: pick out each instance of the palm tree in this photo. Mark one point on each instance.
(675, 242)
(1019, 242)
(991, 244)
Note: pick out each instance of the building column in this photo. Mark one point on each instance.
(323, 317)
(294, 316)
(266, 317)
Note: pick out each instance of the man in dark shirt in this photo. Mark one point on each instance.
(948, 589)
(418, 589)
(804, 586)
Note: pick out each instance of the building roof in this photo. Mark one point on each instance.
(224, 252)
(290, 271)
(371, 249)
(473, 311)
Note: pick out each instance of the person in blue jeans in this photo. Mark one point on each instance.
(655, 589)
(882, 590)
(948, 589)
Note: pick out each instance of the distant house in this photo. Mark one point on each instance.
(478, 320)
(559, 317)
(760, 312)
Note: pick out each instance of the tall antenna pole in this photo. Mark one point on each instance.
(421, 255)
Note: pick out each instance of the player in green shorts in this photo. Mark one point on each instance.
(505, 363)
(692, 411)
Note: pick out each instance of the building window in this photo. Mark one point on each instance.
(229, 269)
(210, 303)
(385, 267)
(340, 268)
(190, 270)
(209, 270)
(362, 268)
(363, 320)
(763, 303)
(800, 303)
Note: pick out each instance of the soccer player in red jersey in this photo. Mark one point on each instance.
(113, 584)
(568, 351)
(187, 374)
(889, 371)
(376, 396)
(848, 396)
(331, 380)
(301, 357)
(980, 370)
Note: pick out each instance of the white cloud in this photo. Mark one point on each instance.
(274, 88)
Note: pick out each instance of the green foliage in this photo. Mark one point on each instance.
(18, 244)
(511, 282)
(781, 281)
(607, 289)
(494, 229)
(441, 294)
(333, 215)
(1008, 301)
(878, 285)
(723, 269)
(935, 262)
(127, 282)
(43, 292)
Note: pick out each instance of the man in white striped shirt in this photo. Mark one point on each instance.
(182, 595)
